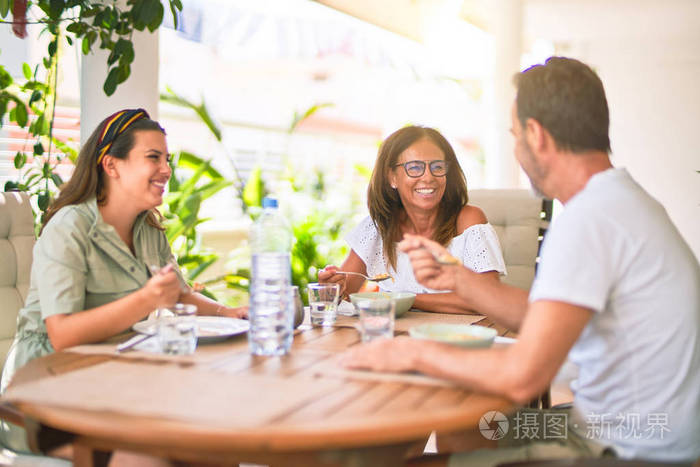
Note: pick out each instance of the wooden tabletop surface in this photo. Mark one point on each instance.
(224, 405)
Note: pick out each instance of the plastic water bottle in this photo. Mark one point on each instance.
(271, 310)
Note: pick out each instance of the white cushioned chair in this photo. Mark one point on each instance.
(16, 243)
(520, 220)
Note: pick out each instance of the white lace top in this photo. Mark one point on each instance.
(477, 247)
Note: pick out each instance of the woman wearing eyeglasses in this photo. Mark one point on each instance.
(417, 187)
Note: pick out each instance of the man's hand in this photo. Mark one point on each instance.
(391, 355)
(427, 270)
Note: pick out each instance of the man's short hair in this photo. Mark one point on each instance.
(567, 98)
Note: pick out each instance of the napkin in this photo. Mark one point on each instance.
(345, 308)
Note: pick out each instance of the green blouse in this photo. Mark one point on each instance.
(80, 263)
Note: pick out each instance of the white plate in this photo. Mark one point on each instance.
(465, 335)
(209, 328)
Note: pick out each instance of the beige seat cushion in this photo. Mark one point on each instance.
(516, 215)
(16, 243)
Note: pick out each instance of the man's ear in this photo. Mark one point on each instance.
(109, 166)
(535, 134)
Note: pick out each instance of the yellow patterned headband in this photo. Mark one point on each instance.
(115, 125)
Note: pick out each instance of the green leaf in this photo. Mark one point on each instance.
(36, 96)
(110, 19)
(35, 127)
(5, 78)
(148, 12)
(174, 9)
(21, 114)
(27, 70)
(189, 185)
(158, 16)
(298, 118)
(187, 160)
(56, 179)
(210, 189)
(3, 110)
(11, 186)
(52, 48)
(4, 8)
(123, 51)
(202, 266)
(201, 110)
(43, 200)
(38, 149)
(75, 28)
(56, 9)
(69, 40)
(65, 149)
(111, 82)
(86, 46)
(87, 11)
(20, 160)
(135, 14)
(254, 190)
(124, 72)
(33, 180)
(98, 19)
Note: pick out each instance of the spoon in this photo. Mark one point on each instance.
(377, 278)
(447, 259)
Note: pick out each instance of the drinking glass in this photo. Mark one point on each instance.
(376, 319)
(323, 303)
(177, 334)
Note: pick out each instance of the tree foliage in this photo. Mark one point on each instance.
(107, 25)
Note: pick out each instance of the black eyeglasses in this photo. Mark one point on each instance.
(415, 169)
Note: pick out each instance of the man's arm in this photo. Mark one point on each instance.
(504, 304)
(520, 371)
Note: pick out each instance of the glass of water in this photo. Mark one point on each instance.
(323, 303)
(376, 319)
(177, 334)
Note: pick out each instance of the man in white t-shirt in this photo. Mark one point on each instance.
(617, 291)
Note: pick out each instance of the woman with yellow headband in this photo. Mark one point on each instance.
(90, 276)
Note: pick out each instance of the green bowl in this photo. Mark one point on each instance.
(465, 335)
(402, 300)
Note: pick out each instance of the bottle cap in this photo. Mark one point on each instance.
(269, 203)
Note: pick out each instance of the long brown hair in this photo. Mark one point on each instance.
(384, 203)
(88, 177)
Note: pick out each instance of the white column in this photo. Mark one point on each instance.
(139, 90)
(502, 169)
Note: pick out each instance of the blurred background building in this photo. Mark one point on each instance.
(372, 66)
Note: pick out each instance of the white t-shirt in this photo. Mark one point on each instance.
(615, 251)
(477, 247)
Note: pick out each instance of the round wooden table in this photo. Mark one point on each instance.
(224, 406)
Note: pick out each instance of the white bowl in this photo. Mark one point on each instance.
(465, 335)
(402, 300)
